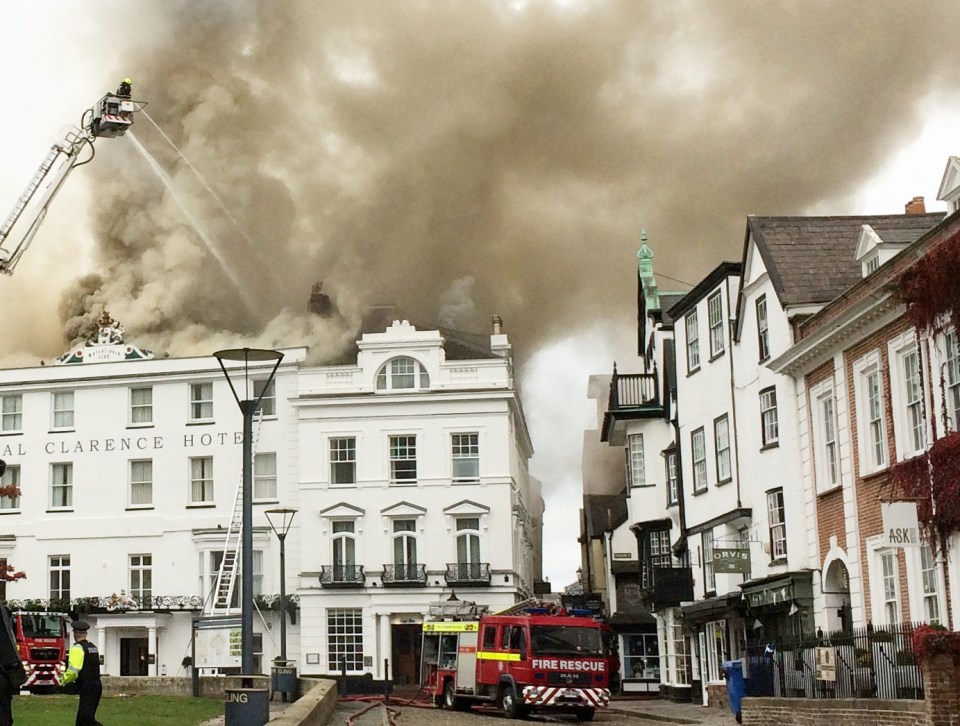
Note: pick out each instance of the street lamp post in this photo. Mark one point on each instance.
(247, 407)
(284, 518)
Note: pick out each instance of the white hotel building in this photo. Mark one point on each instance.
(407, 465)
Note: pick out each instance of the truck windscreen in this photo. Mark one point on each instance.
(41, 626)
(565, 640)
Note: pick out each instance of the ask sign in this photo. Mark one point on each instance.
(900, 527)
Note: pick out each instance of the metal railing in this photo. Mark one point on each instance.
(468, 573)
(342, 575)
(870, 662)
(405, 574)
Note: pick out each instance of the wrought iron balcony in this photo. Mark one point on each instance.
(409, 575)
(341, 576)
(468, 573)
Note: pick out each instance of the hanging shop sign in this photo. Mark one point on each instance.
(900, 526)
(731, 560)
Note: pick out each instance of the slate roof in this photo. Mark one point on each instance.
(667, 301)
(811, 259)
(457, 344)
(604, 512)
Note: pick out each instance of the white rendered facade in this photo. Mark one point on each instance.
(126, 497)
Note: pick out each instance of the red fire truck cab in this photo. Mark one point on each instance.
(42, 643)
(532, 659)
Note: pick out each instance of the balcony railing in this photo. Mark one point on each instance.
(468, 573)
(632, 390)
(404, 575)
(341, 575)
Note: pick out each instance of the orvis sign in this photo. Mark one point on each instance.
(900, 527)
(731, 560)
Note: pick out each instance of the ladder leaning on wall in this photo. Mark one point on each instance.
(218, 603)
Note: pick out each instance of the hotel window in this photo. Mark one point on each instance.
(465, 450)
(693, 342)
(265, 477)
(721, 437)
(715, 316)
(63, 410)
(468, 548)
(874, 441)
(953, 380)
(777, 524)
(405, 548)
(344, 551)
(344, 639)
(635, 472)
(890, 597)
(201, 401)
(201, 480)
(769, 425)
(268, 404)
(61, 486)
(673, 484)
(11, 413)
(403, 459)
(828, 469)
(343, 460)
(141, 483)
(402, 374)
(141, 405)
(709, 576)
(699, 447)
(60, 577)
(141, 579)
(931, 594)
(11, 478)
(763, 332)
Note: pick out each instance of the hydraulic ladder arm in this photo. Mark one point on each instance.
(111, 117)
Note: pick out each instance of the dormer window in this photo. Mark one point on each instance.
(871, 264)
(402, 374)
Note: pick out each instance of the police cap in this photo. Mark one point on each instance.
(80, 625)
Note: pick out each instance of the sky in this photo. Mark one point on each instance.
(459, 160)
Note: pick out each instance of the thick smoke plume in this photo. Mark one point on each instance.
(476, 158)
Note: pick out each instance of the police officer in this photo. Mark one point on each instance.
(125, 88)
(83, 666)
(12, 675)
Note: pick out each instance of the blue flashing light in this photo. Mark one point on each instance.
(581, 613)
(541, 676)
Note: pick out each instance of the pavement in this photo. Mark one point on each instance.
(668, 712)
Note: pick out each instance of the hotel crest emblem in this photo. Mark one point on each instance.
(106, 346)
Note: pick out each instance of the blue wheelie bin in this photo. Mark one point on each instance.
(733, 672)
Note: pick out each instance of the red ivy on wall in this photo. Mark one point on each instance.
(929, 641)
(930, 290)
(933, 479)
(930, 287)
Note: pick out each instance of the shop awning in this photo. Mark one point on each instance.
(779, 590)
(711, 608)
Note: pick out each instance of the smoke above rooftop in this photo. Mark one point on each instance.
(466, 159)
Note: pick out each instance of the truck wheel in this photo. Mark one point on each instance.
(450, 699)
(585, 714)
(508, 702)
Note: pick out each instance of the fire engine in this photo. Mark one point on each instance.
(532, 657)
(42, 643)
(109, 117)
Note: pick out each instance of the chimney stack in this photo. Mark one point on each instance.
(320, 303)
(915, 206)
(497, 324)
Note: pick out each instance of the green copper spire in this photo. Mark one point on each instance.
(645, 272)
